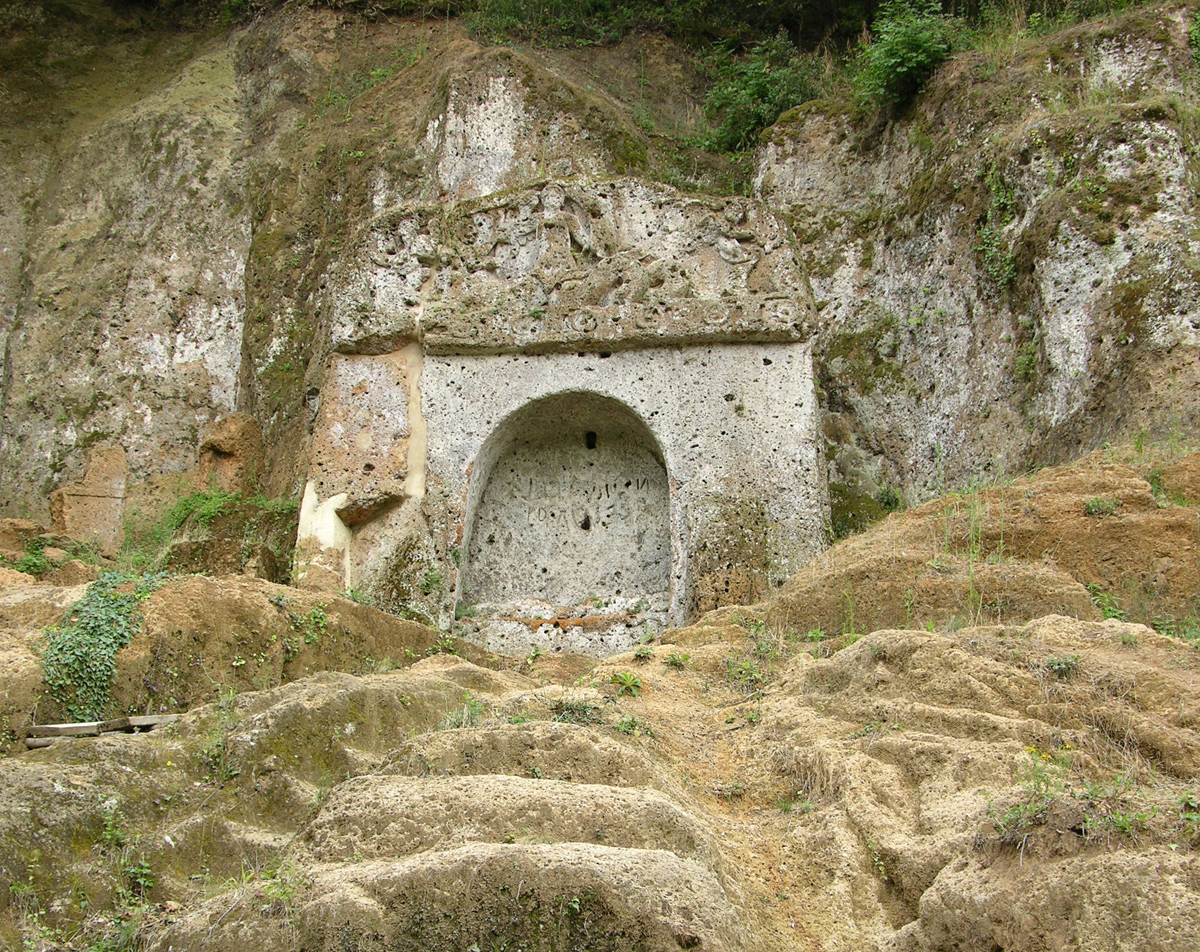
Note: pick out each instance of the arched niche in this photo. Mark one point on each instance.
(569, 501)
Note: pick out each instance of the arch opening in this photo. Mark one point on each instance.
(569, 504)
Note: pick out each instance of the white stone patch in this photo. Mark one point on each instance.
(1071, 276)
(476, 140)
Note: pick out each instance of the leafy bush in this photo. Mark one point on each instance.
(752, 91)
(910, 40)
(78, 659)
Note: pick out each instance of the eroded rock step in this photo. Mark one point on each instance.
(392, 817)
(545, 749)
(488, 896)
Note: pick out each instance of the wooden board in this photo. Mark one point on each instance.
(82, 729)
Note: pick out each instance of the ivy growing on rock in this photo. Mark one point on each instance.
(79, 657)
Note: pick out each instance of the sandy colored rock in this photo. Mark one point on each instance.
(91, 510)
(38, 605)
(558, 751)
(14, 533)
(394, 817)
(1181, 479)
(231, 455)
(21, 684)
(74, 572)
(10, 577)
(201, 634)
(1007, 554)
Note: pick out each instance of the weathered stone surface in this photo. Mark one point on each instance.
(1181, 479)
(92, 510)
(128, 323)
(74, 572)
(730, 426)
(362, 431)
(1005, 275)
(573, 266)
(577, 507)
(14, 533)
(231, 455)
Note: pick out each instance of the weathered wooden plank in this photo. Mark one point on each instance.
(137, 723)
(82, 729)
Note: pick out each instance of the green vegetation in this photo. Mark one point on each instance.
(570, 711)
(1063, 667)
(78, 658)
(1108, 603)
(1100, 507)
(627, 683)
(632, 727)
(751, 91)
(910, 39)
(468, 715)
(147, 536)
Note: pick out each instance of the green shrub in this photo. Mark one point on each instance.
(752, 91)
(910, 40)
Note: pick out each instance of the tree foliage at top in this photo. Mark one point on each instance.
(750, 92)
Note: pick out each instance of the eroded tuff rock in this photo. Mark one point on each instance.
(1004, 274)
(882, 796)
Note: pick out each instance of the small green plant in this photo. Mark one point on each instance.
(79, 657)
(34, 561)
(1100, 507)
(312, 625)
(745, 673)
(139, 877)
(466, 716)
(1063, 667)
(432, 581)
(219, 769)
(201, 507)
(1108, 603)
(1185, 629)
(574, 711)
(643, 652)
(627, 683)
(676, 660)
(1041, 788)
(631, 726)
(877, 860)
(445, 644)
(113, 836)
(753, 716)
